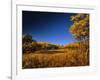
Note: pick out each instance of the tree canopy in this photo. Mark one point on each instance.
(27, 38)
(80, 26)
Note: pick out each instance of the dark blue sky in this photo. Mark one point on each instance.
(48, 26)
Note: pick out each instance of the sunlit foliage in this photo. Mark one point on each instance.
(80, 26)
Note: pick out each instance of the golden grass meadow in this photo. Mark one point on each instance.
(70, 55)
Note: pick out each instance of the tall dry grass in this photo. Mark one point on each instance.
(69, 56)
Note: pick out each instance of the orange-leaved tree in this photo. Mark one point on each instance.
(80, 26)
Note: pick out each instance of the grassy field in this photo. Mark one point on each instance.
(65, 57)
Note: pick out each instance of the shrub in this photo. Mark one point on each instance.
(26, 39)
